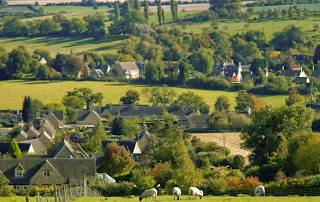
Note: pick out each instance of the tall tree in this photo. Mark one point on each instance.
(191, 99)
(153, 72)
(118, 126)
(160, 96)
(116, 11)
(146, 9)
(28, 112)
(18, 62)
(270, 129)
(137, 5)
(222, 103)
(202, 61)
(159, 12)
(174, 9)
(126, 7)
(117, 160)
(3, 4)
(183, 73)
(162, 16)
(15, 151)
(294, 97)
(95, 25)
(131, 96)
(243, 100)
(94, 143)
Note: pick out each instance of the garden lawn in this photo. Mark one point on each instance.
(12, 92)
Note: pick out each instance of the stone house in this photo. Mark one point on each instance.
(23, 173)
(127, 69)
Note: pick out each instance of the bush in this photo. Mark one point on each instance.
(238, 162)
(250, 183)
(42, 190)
(236, 173)
(111, 189)
(169, 186)
(234, 184)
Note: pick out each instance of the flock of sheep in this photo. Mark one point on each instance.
(193, 191)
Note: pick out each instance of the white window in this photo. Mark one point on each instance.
(19, 173)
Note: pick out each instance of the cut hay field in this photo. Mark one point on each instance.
(12, 92)
(183, 198)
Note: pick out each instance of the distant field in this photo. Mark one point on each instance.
(232, 141)
(183, 198)
(13, 92)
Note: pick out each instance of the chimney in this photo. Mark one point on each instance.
(50, 110)
(120, 103)
(282, 68)
(42, 122)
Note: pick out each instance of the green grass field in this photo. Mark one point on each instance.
(183, 198)
(13, 92)
(111, 45)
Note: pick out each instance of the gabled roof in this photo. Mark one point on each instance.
(144, 133)
(99, 72)
(19, 167)
(37, 145)
(54, 177)
(48, 127)
(5, 147)
(128, 66)
(290, 73)
(45, 139)
(65, 150)
(21, 136)
(72, 170)
(199, 118)
(57, 113)
(32, 132)
(105, 177)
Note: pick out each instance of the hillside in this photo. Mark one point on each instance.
(232, 141)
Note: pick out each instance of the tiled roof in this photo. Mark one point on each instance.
(128, 65)
(37, 145)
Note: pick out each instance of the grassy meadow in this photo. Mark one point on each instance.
(13, 92)
(112, 44)
(183, 198)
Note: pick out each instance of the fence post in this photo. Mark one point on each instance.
(84, 186)
(27, 198)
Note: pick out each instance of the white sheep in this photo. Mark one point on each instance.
(259, 190)
(176, 191)
(148, 194)
(194, 191)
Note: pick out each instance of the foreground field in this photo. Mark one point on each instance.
(183, 198)
(14, 91)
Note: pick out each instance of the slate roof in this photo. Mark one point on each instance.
(82, 114)
(22, 135)
(99, 72)
(65, 150)
(48, 127)
(316, 73)
(5, 147)
(145, 110)
(72, 170)
(37, 145)
(198, 118)
(57, 113)
(144, 133)
(301, 80)
(128, 65)
(290, 73)
(32, 132)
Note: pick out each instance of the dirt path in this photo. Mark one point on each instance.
(232, 141)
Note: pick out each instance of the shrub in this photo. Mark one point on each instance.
(234, 183)
(236, 173)
(169, 186)
(238, 162)
(109, 188)
(250, 183)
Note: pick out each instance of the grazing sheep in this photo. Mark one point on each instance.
(259, 190)
(148, 194)
(195, 192)
(176, 191)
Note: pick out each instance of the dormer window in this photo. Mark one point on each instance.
(18, 171)
(46, 173)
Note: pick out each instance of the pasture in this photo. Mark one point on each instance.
(13, 92)
(112, 44)
(183, 198)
